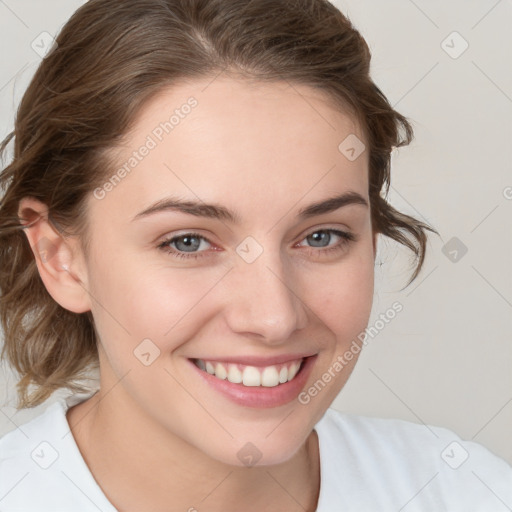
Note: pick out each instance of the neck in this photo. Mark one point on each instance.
(149, 468)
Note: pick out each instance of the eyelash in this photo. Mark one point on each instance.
(346, 238)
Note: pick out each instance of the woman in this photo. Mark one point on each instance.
(193, 209)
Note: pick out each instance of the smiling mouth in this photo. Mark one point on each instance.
(252, 376)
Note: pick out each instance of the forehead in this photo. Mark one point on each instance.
(247, 143)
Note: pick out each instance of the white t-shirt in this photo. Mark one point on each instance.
(366, 465)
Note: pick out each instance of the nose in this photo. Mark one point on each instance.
(263, 301)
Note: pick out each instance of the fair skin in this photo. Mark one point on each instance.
(265, 151)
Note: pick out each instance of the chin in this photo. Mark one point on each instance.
(257, 451)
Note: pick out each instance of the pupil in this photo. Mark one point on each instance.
(317, 237)
(187, 242)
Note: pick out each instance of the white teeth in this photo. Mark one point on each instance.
(294, 368)
(251, 376)
(234, 374)
(220, 371)
(269, 376)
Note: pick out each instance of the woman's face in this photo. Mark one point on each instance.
(250, 294)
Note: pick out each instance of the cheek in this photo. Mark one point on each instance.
(137, 300)
(342, 295)
(344, 302)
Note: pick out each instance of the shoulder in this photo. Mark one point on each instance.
(394, 461)
(41, 467)
(18, 443)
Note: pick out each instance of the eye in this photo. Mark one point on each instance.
(188, 245)
(322, 237)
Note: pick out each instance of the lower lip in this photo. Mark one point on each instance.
(260, 396)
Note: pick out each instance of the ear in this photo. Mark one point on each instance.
(375, 238)
(59, 261)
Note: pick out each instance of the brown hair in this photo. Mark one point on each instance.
(111, 57)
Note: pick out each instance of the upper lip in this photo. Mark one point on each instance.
(257, 360)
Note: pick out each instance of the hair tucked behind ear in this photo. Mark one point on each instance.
(111, 57)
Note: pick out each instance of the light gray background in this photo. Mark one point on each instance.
(446, 358)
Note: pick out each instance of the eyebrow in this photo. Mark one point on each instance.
(217, 211)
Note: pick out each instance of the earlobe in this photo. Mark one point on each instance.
(57, 258)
